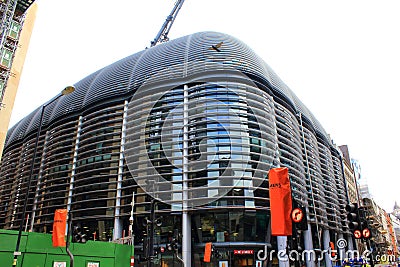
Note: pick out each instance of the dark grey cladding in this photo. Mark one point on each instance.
(123, 77)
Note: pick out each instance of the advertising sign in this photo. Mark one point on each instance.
(60, 221)
(243, 252)
(280, 199)
(207, 252)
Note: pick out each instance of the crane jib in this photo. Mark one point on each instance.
(162, 35)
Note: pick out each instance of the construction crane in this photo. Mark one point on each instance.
(162, 35)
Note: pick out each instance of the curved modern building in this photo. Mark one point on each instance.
(196, 123)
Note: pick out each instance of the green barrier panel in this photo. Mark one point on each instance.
(37, 251)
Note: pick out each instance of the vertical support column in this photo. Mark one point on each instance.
(277, 160)
(186, 224)
(74, 163)
(308, 243)
(350, 243)
(117, 219)
(342, 250)
(326, 240)
(282, 245)
(308, 246)
(39, 180)
(281, 240)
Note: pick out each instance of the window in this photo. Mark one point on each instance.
(14, 30)
(6, 57)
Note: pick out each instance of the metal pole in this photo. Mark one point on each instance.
(308, 242)
(117, 218)
(308, 246)
(67, 90)
(326, 240)
(282, 247)
(186, 225)
(131, 227)
(71, 256)
(370, 257)
(151, 233)
(21, 225)
(26, 223)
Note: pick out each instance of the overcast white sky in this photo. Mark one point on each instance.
(342, 59)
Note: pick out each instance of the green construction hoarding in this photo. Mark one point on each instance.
(37, 251)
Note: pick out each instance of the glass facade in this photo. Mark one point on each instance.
(195, 129)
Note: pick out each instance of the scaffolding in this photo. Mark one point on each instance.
(12, 15)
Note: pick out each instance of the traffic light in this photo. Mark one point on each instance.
(173, 245)
(78, 236)
(215, 252)
(353, 216)
(365, 231)
(159, 250)
(363, 224)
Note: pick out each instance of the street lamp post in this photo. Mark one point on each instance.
(67, 90)
(149, 251)
(69, 227)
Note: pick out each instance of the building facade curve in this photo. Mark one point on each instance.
(197, 128)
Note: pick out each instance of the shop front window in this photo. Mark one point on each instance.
(233, 226)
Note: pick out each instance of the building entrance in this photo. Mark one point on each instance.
(243, 260)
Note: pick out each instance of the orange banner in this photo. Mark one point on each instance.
(280, 198)
(59, 224)
(207, 252)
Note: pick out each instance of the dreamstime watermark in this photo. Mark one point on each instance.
(313, 255)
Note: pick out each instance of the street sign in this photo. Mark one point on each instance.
(366, 233)
(243, 252)
(357, 234)
(297, 215)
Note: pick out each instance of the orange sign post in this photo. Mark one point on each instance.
(60, 221)
(280, 195)
(207, 252)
